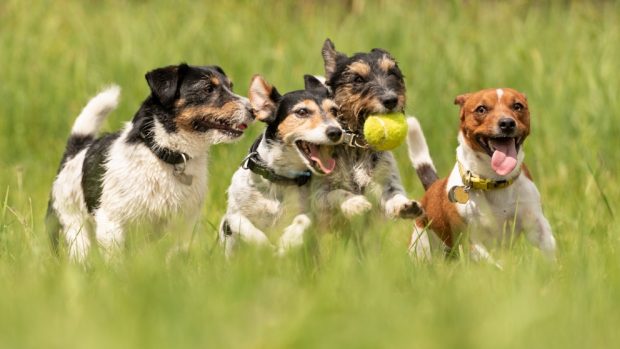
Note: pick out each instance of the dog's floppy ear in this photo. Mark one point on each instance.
(264, 98)
(461, 99)
(312, 83)
(330, 58)
(164, 82)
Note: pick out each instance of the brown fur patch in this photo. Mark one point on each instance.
(327, 105)
(441, 214)
(360, 68)
(386, 63)
(475, 124)
(186, 117)
(293, 125)
(259, 96)
(351, 104)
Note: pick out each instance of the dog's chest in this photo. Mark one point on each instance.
(356, 169)
(494, 214)
(136, 184)
(288, 201)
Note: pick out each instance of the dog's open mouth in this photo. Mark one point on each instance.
(228, 129)
(503, 152)
(319, 156)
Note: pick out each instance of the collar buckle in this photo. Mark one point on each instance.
(354, 140)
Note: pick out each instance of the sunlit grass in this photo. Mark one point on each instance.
(368, 294)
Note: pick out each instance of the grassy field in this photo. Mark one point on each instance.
(54, 55)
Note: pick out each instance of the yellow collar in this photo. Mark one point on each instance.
(473, 181)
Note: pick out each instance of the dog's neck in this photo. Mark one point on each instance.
(282, 158)
(191, 143)
(480, 164)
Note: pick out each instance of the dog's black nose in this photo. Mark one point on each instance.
(333, 133)
(507, 124)
(389, 102)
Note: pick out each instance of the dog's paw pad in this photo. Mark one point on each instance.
(355, 206)
(410, 210)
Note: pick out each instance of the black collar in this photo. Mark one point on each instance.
(166, 155)
(256, 164)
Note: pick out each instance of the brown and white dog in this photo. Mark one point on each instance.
(489, 193)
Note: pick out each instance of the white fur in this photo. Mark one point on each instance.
(499, 93)
(490, 214)
(71, 208)
(418, 150)
(90, 119)
(138, 189)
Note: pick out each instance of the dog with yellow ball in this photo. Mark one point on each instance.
(369, 89)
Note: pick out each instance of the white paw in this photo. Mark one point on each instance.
(294, 234)
(401, 207)
(355, 206)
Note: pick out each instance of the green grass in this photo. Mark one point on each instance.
(54, 55)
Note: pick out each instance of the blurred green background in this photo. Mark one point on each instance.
(55, 55)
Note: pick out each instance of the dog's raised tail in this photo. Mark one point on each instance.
(90, 119)
(419, 155)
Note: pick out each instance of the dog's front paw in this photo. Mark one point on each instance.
(410, 210)
(293, 234)
(401, 207)
(355, 206)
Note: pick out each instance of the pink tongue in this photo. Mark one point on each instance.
(326, 162)
(504, 158)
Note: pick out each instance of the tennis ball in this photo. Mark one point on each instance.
(385, 131)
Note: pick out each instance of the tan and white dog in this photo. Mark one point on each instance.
(489, 193)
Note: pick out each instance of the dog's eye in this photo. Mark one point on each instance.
(333, 111)
(302, 112)
(359, 79)
(481, 109)
(209, 88)
(517, 106)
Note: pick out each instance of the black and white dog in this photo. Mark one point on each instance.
(151, 171)
(272, 183)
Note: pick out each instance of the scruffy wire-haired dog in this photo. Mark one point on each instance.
(363, 84)
(272, 183)
(151, 171)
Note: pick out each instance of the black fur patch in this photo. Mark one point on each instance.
(226, 229)
(75, 144)
(93, 170)
(427, 175)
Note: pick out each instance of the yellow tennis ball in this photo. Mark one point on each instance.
(385, 131)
